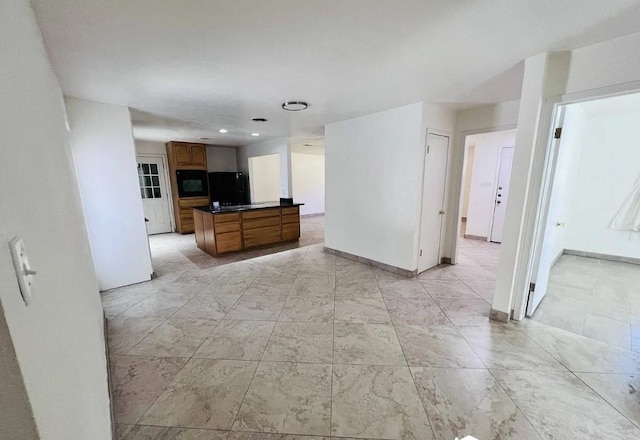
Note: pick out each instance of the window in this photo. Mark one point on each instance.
(149, 179)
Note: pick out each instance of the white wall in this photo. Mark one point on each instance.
(468, 168)
(265, 178)
(279, 146)
(374, 173)
(150, 147)
(308, 182)
(484, 179)
(58, 339)
(602, 173)
(105, 161)
(221, 159)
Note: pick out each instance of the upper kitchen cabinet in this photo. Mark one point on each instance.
(185, 155)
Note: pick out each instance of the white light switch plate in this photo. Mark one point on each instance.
(24, 273)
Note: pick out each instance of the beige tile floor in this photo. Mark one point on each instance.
(305, 345)
(595, 298)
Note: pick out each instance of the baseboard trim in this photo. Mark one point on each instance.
(498, 315)
(373, 263)
(616, 258)
(475, 237)
(318, 214)
(557, 257)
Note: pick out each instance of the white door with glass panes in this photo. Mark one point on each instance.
(155, 200)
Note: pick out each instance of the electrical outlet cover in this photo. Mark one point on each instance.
(24, 274)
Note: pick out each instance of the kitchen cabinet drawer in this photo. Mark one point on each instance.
(275, 212)
(259, 236)
(192, 202)
(221, 228)
(290, 218)
(228, 242)
(291, 210)
(254, 223)
(231, 217)
(291, 231)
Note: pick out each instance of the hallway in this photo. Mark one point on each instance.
(316, 346)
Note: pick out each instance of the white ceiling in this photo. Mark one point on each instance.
(190, 67)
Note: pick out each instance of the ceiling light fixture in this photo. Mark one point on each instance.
(259, 120)
(294, 106)
(255, 134)
(223, 130)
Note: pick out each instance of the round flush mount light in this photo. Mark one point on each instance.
(223, 130)
(259, 120)
(255, 134)
(294, 106)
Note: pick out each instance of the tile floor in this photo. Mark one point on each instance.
(306, 345)
(595, 298)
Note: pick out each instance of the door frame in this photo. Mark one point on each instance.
(458, 219)
(538, 194)
(167, 189)
(447, 171)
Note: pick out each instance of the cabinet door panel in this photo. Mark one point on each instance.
(197, 155)
(231, 241)
(181, 155)
(291, 231)
(259, 236)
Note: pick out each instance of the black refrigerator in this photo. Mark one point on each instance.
(229, 188)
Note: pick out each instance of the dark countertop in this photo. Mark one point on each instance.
(251, 207)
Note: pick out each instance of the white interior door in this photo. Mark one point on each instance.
(153, 190)
(502, 194)
(435, 176)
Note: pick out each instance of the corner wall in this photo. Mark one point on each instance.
(374, 167)
(612, 67)
(373, 179)
(104, 156)
(278, 145)
(307, 173)
(58, 339)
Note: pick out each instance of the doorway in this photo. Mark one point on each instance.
(152, 180)
(587, 258)
(435, 176)
(264, 175)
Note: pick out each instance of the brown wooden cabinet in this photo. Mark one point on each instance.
(219, 233)
(185, 156)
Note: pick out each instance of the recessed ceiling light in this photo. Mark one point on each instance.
(294, 106)
(255, 134)
(223, 130)
(259, 120)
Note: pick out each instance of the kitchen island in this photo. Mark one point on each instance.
(234, 228)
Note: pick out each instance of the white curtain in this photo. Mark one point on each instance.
(628, 216)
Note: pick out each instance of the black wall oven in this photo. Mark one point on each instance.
(192, 183)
